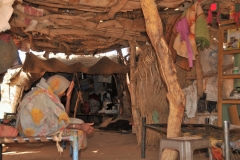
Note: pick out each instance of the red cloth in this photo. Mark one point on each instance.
(94, 96)
(5, 37)
(213, 7)
(87, 107)
(210, 17)
(217, 153)
(7, 131)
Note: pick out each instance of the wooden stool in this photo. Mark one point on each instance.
(185, 146)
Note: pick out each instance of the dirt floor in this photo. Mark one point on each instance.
(102, 145)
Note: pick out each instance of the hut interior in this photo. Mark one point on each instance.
(164, 61)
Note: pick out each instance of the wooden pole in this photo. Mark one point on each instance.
(167, 69)
(199, 74)
(124, 83)
(135, 109)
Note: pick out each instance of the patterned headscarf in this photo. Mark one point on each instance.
(58, 84)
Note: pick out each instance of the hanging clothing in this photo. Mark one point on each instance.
(183, 30)
(106, 79)
(202, 36)
(185, 42)
(191, 100)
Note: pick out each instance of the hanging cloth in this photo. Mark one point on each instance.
(214, 7)
(183, 29)
(237, 14)
(185, 43)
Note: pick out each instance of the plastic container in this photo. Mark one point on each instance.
(235, 70)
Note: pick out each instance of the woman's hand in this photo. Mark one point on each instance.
(87, 127)
(70, 89)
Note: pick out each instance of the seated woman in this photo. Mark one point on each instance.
(41, 113)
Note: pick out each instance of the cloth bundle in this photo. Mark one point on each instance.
(192, 33)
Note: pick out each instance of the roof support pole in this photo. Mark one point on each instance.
(167, 69)
(132, 88)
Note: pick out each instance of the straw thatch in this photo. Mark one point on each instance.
(151, 90)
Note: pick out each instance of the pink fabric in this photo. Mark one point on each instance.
(210, 16)
(183, 28)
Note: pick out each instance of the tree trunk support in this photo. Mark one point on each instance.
(167, 70)
(132, 88)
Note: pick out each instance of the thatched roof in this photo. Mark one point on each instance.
(82, 26)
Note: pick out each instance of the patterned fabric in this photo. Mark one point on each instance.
(58, 84)
(185, 44)
(41, 113)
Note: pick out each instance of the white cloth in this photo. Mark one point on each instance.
(191, 100)
(209, 61)
(108, 79)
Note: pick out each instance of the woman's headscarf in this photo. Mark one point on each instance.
(58, 84)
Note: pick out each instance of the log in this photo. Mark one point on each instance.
(132, 89)
(167, 69)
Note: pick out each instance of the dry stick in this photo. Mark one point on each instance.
(76, 106)
(31, 41)
(79, 97)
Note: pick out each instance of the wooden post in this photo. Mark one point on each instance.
(167, 69)
(124, 83)
(199, 75)
(135, 109)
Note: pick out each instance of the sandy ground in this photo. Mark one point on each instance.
(101, 146)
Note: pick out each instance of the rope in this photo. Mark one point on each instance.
(58, 139)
